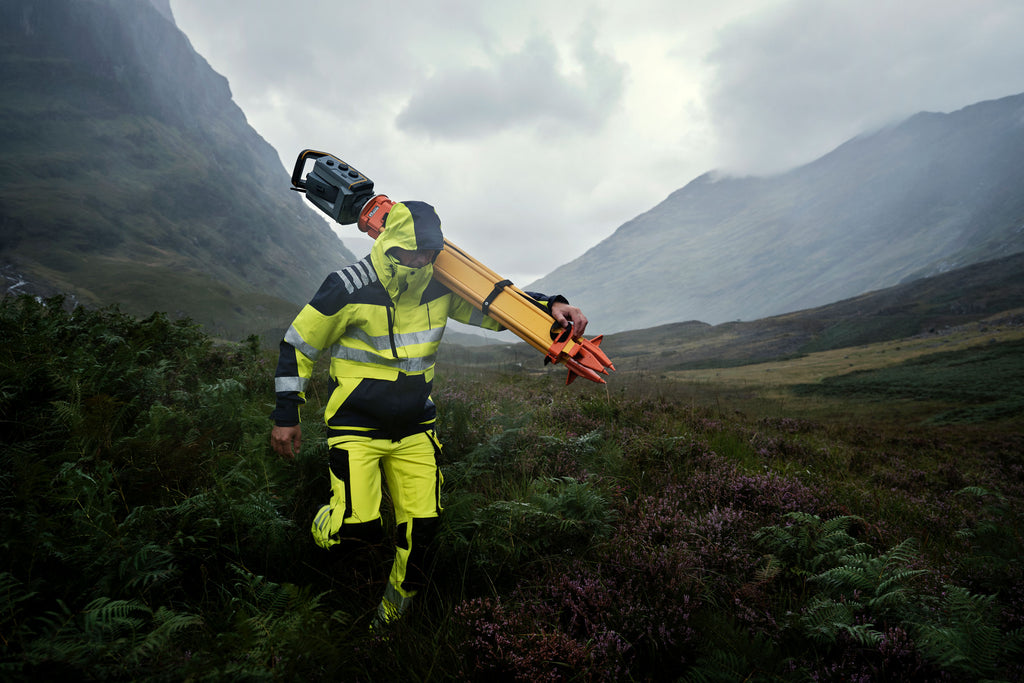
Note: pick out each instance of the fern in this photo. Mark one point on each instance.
(981, 492)
(577, 503)
(112, 638)
(809, 543)
(280, 626)
(824, 618)
(720, 666)
(883, 582)
(69, 412)
(15, 604)
(733, 653)
(580, 447)
(168, 626)
(149, 566)
(994, 536)
(111, 619)
(130, 631)
(559, 515)
(965, 638)
(960, 634)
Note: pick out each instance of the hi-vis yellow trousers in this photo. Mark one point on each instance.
(414, 483)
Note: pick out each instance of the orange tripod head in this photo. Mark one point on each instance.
(374, 214)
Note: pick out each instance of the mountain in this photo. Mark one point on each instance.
(128, 175)
(980, 296)
(933, 193)
(929, 306)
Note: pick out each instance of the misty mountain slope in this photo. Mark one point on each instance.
(976, 299)
(928, 306)
(128, 174)
(936, 192)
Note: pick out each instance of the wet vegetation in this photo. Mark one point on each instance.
(984, 383)
(648, 530)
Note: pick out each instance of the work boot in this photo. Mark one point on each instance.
(387, 613)
(392, 607)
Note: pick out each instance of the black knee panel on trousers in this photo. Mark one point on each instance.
(360, 551)
(423, 532)
(354, 536)
(338, 463)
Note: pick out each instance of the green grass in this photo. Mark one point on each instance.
(866, 330)
(978, 384)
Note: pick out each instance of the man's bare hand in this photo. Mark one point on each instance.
(286, 441)
(564, 314)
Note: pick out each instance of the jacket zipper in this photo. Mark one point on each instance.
(391, 329)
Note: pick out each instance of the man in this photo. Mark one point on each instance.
(382, 319)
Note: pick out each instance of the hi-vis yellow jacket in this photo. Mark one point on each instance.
(382, 323)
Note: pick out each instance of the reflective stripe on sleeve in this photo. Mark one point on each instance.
(365, 272)
(357, 276)
(293, 337)
(347, 281)
(286, 384)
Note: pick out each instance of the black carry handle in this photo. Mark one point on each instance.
(298, 184)
(334, 187)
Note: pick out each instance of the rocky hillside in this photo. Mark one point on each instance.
(128, 175)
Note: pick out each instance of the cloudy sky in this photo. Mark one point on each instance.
(537, 128)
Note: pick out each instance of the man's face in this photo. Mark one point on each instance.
(414, 259)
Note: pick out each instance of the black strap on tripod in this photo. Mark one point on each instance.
(498, 286)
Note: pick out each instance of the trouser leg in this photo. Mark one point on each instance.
(414, 481)
(353, 515)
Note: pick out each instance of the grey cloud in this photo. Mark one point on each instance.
(520, 89)
(793, 82)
